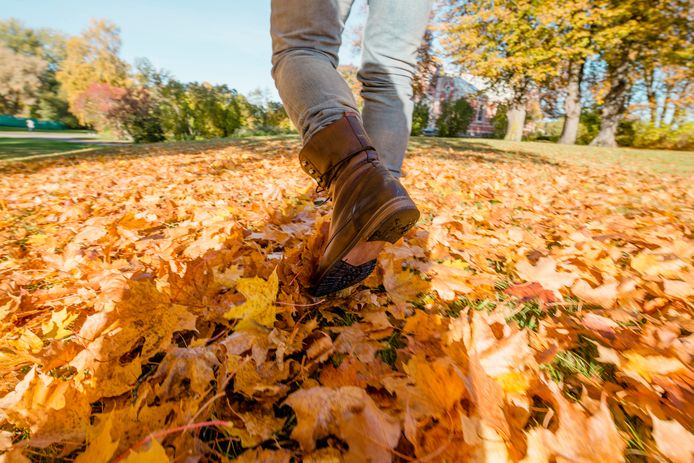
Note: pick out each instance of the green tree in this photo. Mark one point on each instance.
(420, 118)
(49, 47)
(455, 118)
(138, 115)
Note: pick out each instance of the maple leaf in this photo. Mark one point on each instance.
(402, 285)
(259, 308)
(100, 445)
(673, 440)
(56, 328)
(52, 409)
(154, 454)
(449, 278)
(351, 415)
(545, 272)
(584, 438)
(186, 371)
(646, 367)
(604, 295)
(529, 291)
(440, 382)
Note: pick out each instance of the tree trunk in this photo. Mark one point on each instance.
(650, 78)
(614, 106)
(572, 106)
(516, 120)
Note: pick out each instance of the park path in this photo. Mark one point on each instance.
(90, 138)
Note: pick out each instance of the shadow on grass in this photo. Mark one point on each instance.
(25, 149)
(477, 151)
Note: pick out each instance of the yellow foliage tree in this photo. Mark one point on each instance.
(92, 58)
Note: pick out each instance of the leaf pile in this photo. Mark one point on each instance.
(153, 308)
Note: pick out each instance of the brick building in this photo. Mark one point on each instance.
(446, 87)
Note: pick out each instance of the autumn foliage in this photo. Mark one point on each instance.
(153, 308)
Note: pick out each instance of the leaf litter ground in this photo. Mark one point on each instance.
(153, 308)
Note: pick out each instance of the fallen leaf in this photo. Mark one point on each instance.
(259, 308)
(154, 454)
(673, 440)
(546, 274)
(351, 415)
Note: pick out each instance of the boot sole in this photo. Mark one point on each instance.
(389, 223)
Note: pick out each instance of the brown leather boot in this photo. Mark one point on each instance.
(370, 206)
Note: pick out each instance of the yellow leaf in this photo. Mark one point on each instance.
(654, 264)
(259, 308)
(39, 239)
(155, 454)
(56, 327)
(27, 342)
(101, 446)
(652, 365)
(439, 382)
(514, 382)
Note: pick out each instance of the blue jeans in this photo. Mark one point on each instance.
(306, 37)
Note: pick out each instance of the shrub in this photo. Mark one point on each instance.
(546, 131)
(94, 104)
(420, 118)
(455, 118)
(666, 137)
(138, 115)
(589, 126)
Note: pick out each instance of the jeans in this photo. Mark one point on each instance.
(306, 37)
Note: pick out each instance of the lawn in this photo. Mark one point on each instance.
(678, 162)
(26, 148)
(4, 128)
(153, 300)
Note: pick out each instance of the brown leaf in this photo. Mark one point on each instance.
(350, 414)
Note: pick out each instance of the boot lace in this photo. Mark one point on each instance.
(327, 178)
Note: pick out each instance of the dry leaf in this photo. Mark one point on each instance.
(350, 414)
(259, 308)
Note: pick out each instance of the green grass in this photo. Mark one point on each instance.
(657, 161)
(24, 148)
(4, 128)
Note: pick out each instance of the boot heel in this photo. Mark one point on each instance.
(396, 224)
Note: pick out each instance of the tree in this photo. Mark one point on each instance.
(574, 25)
(455, 118)
(420, 118)
(138, 115)
(427, 68)
(507, 42)
(49, 47)
(96, 103)
(20, 81)
(637, 35)
(92, 58)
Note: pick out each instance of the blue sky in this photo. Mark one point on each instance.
(219, 41)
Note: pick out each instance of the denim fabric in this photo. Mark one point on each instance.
(306, 37)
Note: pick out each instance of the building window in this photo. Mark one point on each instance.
(480, 112)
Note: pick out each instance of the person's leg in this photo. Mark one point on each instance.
(370, 206)
(306, 37)
(394, 31)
